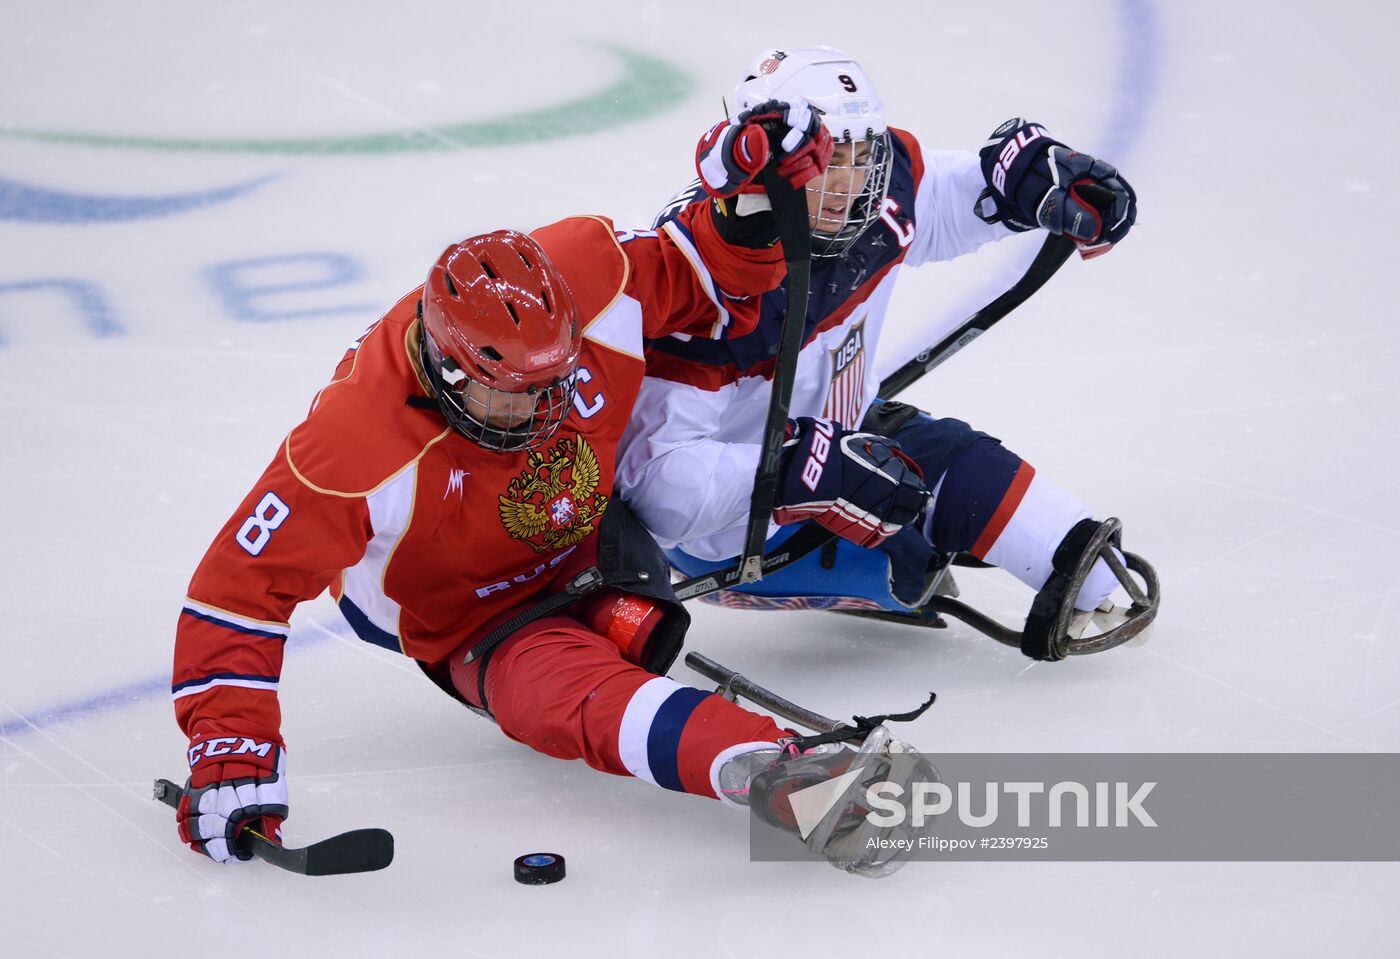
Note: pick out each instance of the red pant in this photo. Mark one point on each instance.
(565, 691)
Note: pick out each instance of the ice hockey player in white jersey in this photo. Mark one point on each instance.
(905, 490)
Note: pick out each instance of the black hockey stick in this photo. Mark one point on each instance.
(809, 537)
(790, 210)
(734, 686)
(360, 850)
(1053, 253)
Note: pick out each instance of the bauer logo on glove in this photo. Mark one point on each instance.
(858, 485)
(1034, 180)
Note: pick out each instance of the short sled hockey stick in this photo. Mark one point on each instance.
(1053, 253)
(790, 210)
(734, 686)
(360, 850)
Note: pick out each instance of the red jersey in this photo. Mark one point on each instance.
(421, 535)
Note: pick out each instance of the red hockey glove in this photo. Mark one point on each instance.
(731, 154)
(858, 485)
(234, 780)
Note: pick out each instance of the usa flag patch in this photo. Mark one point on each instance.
(843, 400)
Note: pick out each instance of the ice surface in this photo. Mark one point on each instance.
(1221, 383)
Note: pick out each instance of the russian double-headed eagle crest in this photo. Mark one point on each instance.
(555, 502)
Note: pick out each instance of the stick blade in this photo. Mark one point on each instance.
(360, 850)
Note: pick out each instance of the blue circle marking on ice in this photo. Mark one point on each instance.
(35, 204)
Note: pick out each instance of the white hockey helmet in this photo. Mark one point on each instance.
(852, 112)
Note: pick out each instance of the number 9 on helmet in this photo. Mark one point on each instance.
(848, 197)
(500, 340)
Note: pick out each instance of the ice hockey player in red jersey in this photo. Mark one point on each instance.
(877, 202)
(452, 487)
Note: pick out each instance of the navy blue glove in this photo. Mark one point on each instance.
(1036, 181)
(858, 485)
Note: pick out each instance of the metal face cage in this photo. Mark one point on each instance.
(496, 419)
(857, 189)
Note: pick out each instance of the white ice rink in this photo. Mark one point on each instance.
(179, 276)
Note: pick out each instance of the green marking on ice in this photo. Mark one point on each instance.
(648, 86)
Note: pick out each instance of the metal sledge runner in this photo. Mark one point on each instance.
(843, 578)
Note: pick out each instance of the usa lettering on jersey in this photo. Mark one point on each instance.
(847, 378)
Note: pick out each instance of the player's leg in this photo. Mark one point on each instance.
(564, 690)
(994, 506)
(987, 503)
(990, 504)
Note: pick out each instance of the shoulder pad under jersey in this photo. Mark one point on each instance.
(360, 431)
(584, 249)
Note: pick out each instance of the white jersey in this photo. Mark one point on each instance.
(689, 454)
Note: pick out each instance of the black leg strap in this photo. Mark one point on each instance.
(1037, 639)
(588, 581)
(628, 560)
(860, 727)
(888, 418)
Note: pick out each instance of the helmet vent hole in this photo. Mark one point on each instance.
(524, 259)
(451, 287)
(510, 307)
(548, 308)
(486, 268)
(491, 353)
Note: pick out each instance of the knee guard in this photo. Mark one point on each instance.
(976, 496)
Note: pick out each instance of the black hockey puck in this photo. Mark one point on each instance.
(539, 868)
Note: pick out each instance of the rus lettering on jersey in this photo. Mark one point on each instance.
(847, 378)
(485, 591)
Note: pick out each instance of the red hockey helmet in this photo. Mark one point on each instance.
(500, 340)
